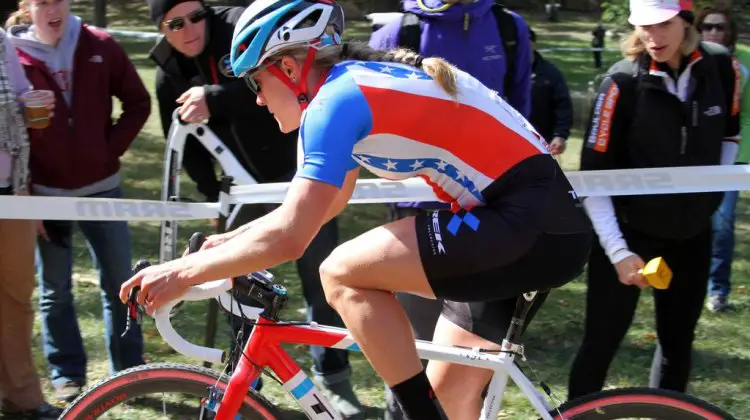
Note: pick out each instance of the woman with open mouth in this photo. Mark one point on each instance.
(77, 154)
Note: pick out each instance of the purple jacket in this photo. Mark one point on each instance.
(477, 51)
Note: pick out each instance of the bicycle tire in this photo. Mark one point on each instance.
(652, 403)
(157, 378)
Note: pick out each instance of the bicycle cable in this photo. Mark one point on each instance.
(547, 389)
(238, 344)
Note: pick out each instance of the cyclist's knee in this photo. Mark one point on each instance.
(333, 277)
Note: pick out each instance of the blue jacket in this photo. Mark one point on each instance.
(477, 50)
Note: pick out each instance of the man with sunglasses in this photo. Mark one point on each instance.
(194, 76)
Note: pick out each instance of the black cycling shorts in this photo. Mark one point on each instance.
(533, 238)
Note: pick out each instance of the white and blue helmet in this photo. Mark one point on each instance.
(268, 26)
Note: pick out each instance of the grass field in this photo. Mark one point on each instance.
(722, 351)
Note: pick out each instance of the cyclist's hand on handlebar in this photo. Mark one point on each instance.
(627, 271)
(159, 284)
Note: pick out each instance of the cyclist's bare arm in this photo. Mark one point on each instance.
(337, 207)
(220, 238)
(281, 236)
(342, 199)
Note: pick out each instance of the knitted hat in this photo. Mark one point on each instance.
(158, 8)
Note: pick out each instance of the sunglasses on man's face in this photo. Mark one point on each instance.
(708, 27)
(178, 23)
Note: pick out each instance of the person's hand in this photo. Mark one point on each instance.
(627, 271)
(49, 103)
(51, 106)
(40, 230)
(159, 284)
(557, 146)
(194, 108)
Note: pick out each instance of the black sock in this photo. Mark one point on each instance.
(417, 398)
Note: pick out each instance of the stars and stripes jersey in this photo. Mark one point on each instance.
(398, 123)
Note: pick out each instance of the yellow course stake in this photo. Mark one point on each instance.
(657, 273)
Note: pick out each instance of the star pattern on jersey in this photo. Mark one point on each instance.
(413, 165)
(395, 71)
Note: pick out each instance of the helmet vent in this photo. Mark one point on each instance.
(310, 20)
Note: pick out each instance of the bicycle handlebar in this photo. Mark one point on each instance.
(163, 324)
(257, 286)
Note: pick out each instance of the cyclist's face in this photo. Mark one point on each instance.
(280, 100)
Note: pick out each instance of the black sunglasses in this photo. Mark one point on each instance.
(178, 23)
(251, 83)
(707, 27)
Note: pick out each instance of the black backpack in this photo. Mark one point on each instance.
(411, 33)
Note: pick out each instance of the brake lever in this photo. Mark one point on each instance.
(135, 312)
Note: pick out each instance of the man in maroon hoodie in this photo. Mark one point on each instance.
(78, 155)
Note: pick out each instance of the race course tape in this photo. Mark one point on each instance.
(694, 179)
(77, 208)
(585, 184)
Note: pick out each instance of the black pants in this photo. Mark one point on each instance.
(610, 307)
(597, 59)
(329, 365)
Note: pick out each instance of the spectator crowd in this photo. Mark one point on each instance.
(58, 137)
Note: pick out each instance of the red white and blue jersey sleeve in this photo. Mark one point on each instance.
(336, 119)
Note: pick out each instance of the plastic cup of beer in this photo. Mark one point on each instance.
(35, 105)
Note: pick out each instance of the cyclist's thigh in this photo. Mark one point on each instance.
(384, 258)
(487, 256)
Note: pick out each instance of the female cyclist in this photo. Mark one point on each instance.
(399, 116)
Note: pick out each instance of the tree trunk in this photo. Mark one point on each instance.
(100, 13)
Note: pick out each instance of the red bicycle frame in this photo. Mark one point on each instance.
(263, 349)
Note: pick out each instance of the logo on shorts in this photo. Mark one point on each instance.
(438, 244)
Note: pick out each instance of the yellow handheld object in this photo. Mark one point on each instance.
(657, 273)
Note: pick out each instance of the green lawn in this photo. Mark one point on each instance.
(722, 351)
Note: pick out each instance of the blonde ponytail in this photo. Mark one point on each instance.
(440, 70)
(22, 16)
(443, 73)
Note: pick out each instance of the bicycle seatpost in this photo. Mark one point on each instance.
(523, 305)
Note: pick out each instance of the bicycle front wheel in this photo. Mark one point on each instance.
(639, 403)
(174, 391)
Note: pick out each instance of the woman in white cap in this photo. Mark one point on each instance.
(670, 102)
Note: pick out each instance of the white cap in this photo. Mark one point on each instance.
(651, 12)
